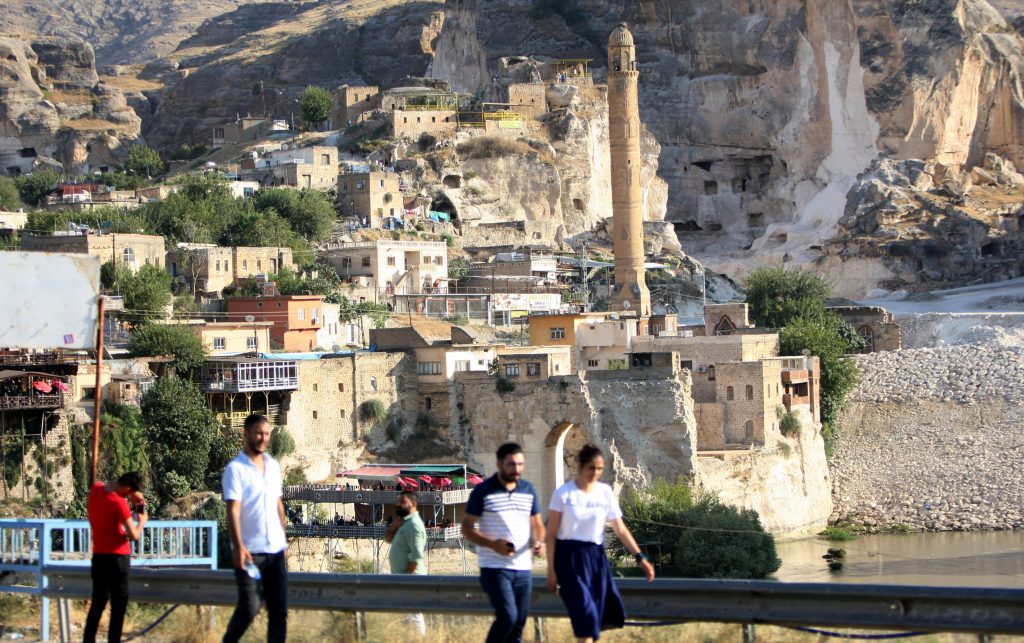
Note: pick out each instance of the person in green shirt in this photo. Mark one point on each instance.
(408, 539)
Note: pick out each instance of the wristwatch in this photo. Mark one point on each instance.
(640, 557)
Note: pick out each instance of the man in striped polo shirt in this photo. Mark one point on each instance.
(508, 512)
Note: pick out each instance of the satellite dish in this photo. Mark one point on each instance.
(625, 305)
(250, 318)
(335, 348)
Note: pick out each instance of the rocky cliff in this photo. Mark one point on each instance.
(56, 112)
(767, 111)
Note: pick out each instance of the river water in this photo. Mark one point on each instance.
(976, 559)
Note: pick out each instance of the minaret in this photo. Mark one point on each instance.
(627, 200)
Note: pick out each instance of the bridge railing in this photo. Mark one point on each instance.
(28, 547)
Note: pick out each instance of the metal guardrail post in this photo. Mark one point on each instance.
(64, 619)
(45, 545)
(749, 633)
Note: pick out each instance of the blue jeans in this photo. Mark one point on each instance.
(509, 591)
(273, 586)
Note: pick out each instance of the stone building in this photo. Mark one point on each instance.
(533, 363)
(528, 98)
(600, 341)
(130, 250)
(354, 103)
(372, 197)
(243, 130)
(393, 267)
(875, 325)
(413, 124)
(313, 167)
(233, 337)
(209, 268)
(296, 319)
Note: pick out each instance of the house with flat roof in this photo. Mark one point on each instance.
(295, 319)
(210, 268)
(314, 167)
(372, 197)
(393, 267)
(130, 250)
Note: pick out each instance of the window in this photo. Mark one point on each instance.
(315, 414)
(381, 182)
(341, 387)
(512, 370)
(219, 343)
(533, 369)
(428, 368)
(748, 430)
(217, 266)
(365, 262)
(250, 343)
(558, 333)
(750, 392)
(316, 386)
(259, 264)
(245, 264)
(346, 262)
(360, 185)
(711, 373)
(300, 313)
(325, 159)
(428, 403)
(128, 255)
(729, 394)
(439, 260)
(426, 259)
(391, 261)
(88, 392)
(342, 412)
(373, 383)
(687, 364)
(593, 363)
(462, 366)
(248, 191)
(315, 315)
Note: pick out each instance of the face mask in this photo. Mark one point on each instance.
(401, 512)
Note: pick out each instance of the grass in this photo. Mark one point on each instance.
(89, 125)
(131, 84)
(836, 534)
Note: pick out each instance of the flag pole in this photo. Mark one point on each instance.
(97, 396)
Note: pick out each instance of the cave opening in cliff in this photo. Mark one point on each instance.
(687, 226)
(452, 181)
(442, 203)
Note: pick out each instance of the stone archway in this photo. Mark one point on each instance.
(562, 444)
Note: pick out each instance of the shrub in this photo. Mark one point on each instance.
(372, 411)
(490, 147)
(294, 476)
(281, 443)
(789, 424)
(503, 385)
(699, 537)
(837, 534)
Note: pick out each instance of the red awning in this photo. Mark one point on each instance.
(42, 386)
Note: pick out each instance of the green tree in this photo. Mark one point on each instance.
(143, 161)
(281, 443)
(225, 446)
(146, 293)
(33, 188)
(776, 295)
(176, 340)
(10, 199)
(121, 180)
(698, 536)
(315, 104)
(122, 442)
(822, 335)
(458, 268)
(180, 431)
(309, 212)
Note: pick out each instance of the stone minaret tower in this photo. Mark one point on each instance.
(627, 200)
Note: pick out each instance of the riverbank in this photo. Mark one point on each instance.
(931, 440)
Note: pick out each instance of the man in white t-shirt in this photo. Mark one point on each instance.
(256, 522)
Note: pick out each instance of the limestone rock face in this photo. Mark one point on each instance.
(55, 112)
(924, 226)
(766, 112)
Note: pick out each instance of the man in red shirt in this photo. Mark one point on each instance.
(112, 526)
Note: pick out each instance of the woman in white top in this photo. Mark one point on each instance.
(578, 568)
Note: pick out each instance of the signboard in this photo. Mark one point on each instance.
(536, 302)
(50, 300)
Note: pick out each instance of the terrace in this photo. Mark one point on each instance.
(245, 375)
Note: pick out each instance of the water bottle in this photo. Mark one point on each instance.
(252, 570)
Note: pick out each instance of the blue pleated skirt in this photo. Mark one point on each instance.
(587, 588)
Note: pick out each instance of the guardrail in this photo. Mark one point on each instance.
(931, 609)
(29, 547)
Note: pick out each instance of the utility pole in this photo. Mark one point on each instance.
(586, 286)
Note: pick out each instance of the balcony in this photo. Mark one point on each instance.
(249, 375)
(25, 358)
(29, 402)
(794, 376)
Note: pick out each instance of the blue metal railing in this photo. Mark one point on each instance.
(28, 546)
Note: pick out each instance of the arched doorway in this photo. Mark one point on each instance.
(560, 448)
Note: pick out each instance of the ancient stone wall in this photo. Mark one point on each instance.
(641, 440)
(929, 440)
(787, 483)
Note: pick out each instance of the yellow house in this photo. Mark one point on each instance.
(230, 338)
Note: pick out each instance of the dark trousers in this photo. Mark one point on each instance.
(109, 582)
(509, 592)
(273, 586)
